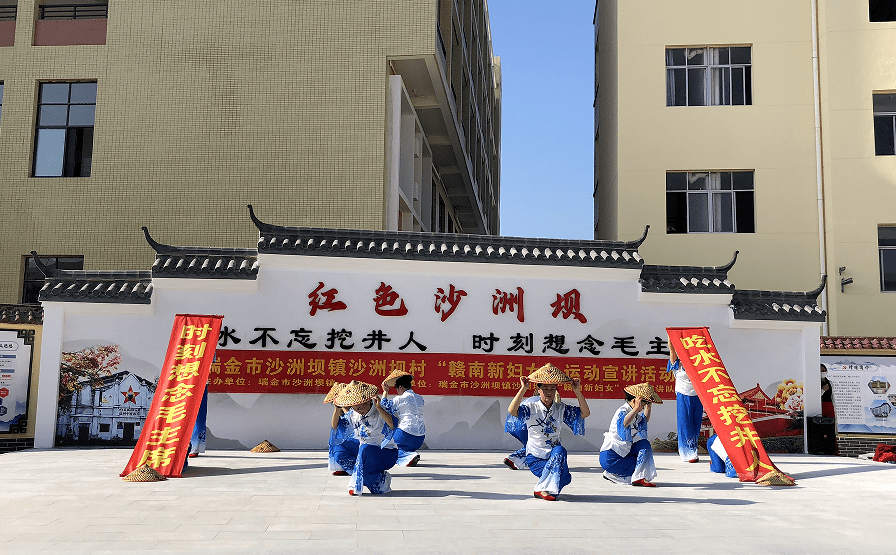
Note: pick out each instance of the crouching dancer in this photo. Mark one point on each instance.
(343, 447)
(407, 412)
(372, 427)
(542, 416)
(626, 455)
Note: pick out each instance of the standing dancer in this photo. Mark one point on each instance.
(407, 412)
(343, 447)
(542, 416)
(688, 407)
(626, 455)
(372, 427)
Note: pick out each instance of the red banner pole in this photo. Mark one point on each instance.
(730, 419)
(165, 440)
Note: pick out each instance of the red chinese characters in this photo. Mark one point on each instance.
(513, 302)
(324, 300)
(447, 302)
(385, 299)
(567, 304)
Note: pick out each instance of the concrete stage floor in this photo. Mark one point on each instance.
(73, 501)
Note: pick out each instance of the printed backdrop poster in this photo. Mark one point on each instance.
(723, 406)
(864, 396)
(165, 440)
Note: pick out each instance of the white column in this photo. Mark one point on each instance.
(48, 378)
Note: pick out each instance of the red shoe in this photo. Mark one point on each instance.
(643, 483)
(193, 455)
(351, 492)
(545, 495)
(340, 473)
(414, 461)
(694, 460)
(510, 465)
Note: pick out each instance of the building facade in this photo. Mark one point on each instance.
(361, 115)
(765, 128)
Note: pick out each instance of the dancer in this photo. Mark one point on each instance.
(372, 427)
(689, 409)
(718, 457)
(517, 459)
(542, 416)
(626, 455)
(197, 440)
(343, 447)
(407, 413)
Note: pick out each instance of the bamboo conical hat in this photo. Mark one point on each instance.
(391, 378)
(775, 478)
(549, 374)
(355, 393)
(334, 391)
(145, 473)
(265, 447)
(644, 391)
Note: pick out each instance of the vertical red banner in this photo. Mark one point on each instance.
(165, 440)
(726, 411)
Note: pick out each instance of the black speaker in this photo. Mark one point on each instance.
(822, 432)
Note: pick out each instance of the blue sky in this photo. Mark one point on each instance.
(547, 133)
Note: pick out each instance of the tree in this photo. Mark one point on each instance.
(88, 365)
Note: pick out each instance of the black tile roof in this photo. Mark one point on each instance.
(778, 305)
(311, 241)
(132, 287)
(202, 262)
(687, 279)
(21, 314)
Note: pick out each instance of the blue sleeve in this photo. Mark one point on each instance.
(517, 426)
(670, 367)
(572, 417)
(389, 406)
(642, 426)
(622, 431)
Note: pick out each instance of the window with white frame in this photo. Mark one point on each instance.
(886, 244)
(709, 76)
(710, 202)
(884, 123)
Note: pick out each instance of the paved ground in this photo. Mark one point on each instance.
(72, 501)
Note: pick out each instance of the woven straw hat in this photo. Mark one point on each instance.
(644, 391)
(390, 379)
(355, 393)
(145, 473)
(775, 478)
(265, 447)
(334, 391)
(549, 374)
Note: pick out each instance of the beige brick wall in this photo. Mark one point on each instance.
(204, 107)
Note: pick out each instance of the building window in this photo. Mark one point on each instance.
(884, 123)
(104, 428)
(886, 244)
(34, 279)
(709, 76)
(63, 145)
(8, 13)
(74, 11)
(709, 202)
(882, 10)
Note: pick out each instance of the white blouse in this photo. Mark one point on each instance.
(370, 428)
(408, 407)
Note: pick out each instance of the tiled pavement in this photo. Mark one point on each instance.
(72, 501)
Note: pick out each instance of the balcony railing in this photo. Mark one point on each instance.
(74, 11)
(8, 13)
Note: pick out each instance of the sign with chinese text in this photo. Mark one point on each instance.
(165, 439)
(864, 396)
(15, 379)
(253, 371)
(727, 413)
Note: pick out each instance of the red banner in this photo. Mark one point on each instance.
(256, 371)
(724, 408)
(165, 439)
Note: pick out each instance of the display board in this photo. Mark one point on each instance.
(864, 396)
(16, 352)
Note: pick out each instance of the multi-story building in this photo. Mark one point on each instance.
(176, 115)
(764, 127)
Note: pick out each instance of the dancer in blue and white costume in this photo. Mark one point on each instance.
(343, 447)
(197, 440)
(372, 427)
(626, 455)
(407, 413)
(542, 417)
(688, 407)
(718, 457)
